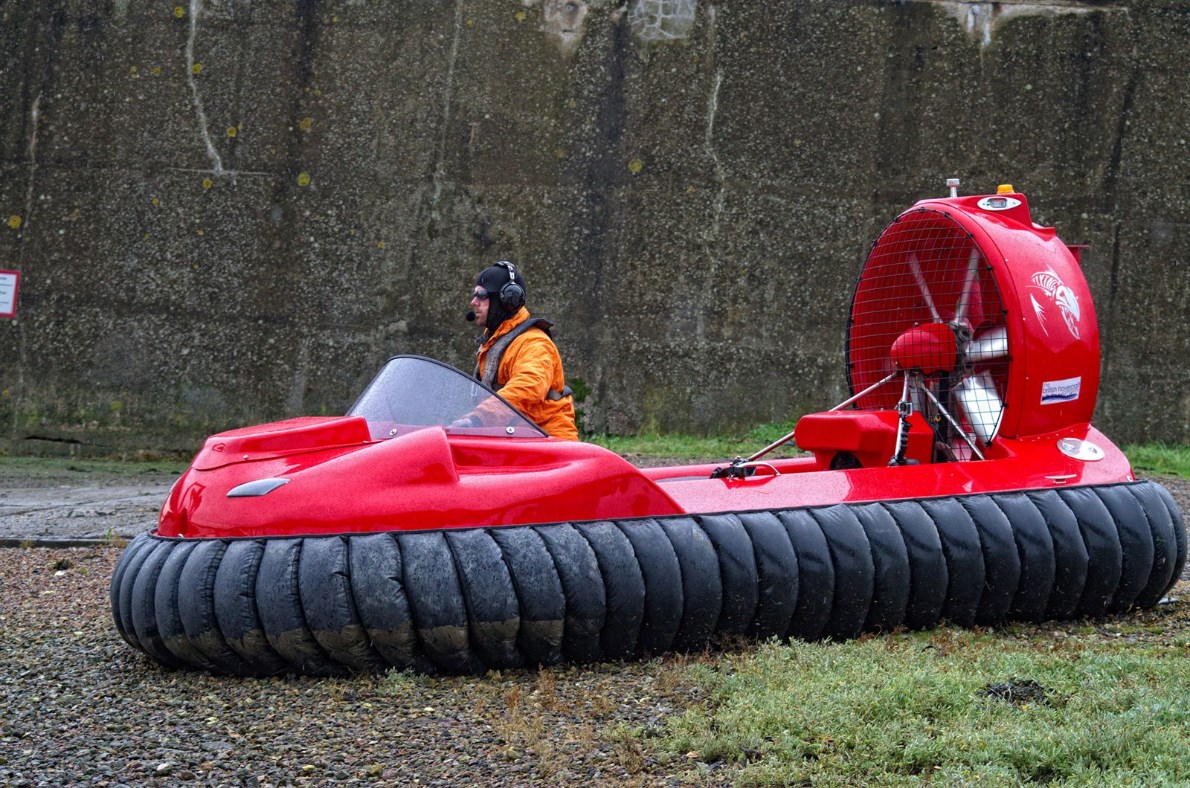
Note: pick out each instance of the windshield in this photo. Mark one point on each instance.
(414, 392)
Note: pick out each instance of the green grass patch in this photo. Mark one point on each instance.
(700, 447)
(1159, 459)
(907, 709)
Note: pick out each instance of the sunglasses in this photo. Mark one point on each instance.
(482, 295)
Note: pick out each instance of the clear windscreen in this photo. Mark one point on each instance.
(414, 392)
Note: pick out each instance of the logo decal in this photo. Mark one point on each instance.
(1062, 296)
(1054, 391)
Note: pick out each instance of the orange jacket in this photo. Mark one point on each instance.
(529, 370)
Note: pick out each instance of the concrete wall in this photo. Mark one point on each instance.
(230, 212)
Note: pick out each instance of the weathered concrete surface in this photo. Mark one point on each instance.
(228, 212)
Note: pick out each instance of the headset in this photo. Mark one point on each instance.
(512, 295)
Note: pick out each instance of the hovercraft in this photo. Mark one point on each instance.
(961, 482)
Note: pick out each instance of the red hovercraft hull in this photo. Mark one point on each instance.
(429, 480)
(962, 481)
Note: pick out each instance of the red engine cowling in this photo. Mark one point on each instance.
(1024, 359)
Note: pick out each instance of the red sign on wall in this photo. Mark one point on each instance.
(9, 281)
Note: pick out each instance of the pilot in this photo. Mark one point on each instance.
(517, 356)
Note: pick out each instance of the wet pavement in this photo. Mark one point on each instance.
(80, 513)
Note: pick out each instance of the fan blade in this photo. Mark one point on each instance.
(960, 313)
(981, 403)
(989, 345)
(921, 284)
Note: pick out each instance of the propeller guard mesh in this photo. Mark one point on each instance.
(926, 270)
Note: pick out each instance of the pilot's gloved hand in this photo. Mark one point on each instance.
(468, 421)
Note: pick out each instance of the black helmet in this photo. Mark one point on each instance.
(506, 291)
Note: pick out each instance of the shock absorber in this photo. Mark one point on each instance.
(904, 408)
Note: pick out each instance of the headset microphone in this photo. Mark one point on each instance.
(469, 316)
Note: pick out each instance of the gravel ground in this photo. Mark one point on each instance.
(81, 707)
